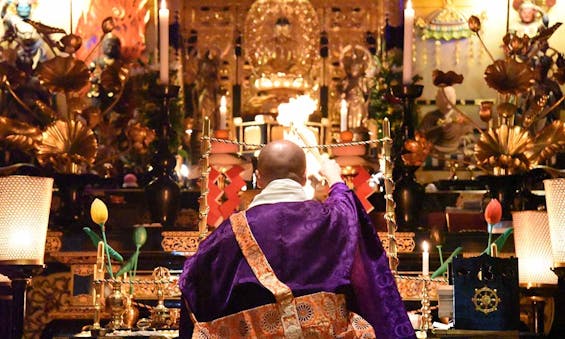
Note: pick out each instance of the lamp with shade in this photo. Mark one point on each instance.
(24, 217)
(533, 248)
(555, 200)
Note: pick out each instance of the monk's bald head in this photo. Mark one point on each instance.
(281, 159)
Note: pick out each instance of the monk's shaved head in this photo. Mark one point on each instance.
(281, 159)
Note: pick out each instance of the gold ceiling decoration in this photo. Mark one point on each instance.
(281, 43)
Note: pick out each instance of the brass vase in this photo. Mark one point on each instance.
(116, 305)
(131, 312)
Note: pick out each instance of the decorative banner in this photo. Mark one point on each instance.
(223, 197)
(362, 188)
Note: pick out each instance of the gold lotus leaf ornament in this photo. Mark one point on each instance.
(418, 150)
(19, 134)
(549, 141)
(509, 77)
(113, 77)
(444, 79)
(516, 45)
(63, 74)
(67, 145)
(140, 137)
(504, 150)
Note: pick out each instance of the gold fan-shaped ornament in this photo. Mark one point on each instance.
(67, 146)
(505, 150)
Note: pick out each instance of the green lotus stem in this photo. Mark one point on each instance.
(441, 270)
(106, 248)
(440, 254)
(501, 240)
(133, 275)
(489, 239)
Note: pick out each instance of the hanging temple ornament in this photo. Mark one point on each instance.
(281, 44)
(446, 23)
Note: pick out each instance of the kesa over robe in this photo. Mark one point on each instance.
(312, 247)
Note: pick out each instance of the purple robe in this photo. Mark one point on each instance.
(312, 247)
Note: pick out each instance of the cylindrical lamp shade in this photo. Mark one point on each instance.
(24, 216)
(533, 248)
(555, 200)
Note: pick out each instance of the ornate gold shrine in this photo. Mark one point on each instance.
(270, 50)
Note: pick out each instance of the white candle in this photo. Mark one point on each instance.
(164, 43)
(223, 112)
(425, 259)
(343, 115)
(407, 51)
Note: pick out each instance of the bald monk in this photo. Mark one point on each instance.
(311, 247)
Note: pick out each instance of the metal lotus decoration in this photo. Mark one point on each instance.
(47, 113)
(522, 132)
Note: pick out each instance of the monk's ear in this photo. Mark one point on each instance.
(260, 180)
(303, 178)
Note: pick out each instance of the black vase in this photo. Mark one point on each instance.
(408, 196)
(505, 189)
(163, 199)
(163, 193)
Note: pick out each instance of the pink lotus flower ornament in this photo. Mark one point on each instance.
(493, 214)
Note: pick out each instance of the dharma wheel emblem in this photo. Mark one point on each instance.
(486, 300)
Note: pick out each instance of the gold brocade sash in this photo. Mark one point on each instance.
(318, 315)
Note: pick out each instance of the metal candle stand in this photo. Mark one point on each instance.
(160, 314)
(20, 276)
(426, 323)
(408, 95)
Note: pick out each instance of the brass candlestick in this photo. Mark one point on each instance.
(390, 216)
(205, 150)
(160, 315)
(98, 285)
(426, 323)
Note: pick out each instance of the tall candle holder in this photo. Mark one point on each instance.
(408, 193)
(163, 193)
(390, 216)
(426, 323)
(407, 94)
(206, 148)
